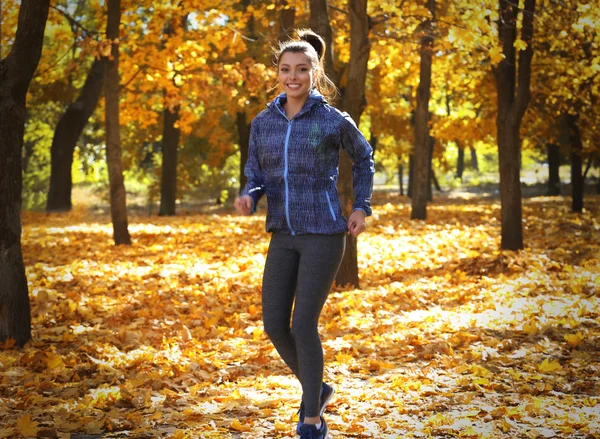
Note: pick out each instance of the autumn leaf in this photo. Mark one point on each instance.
(237, 425)
(550, 366)
(574, 340)
(519, 44)
(26, 426)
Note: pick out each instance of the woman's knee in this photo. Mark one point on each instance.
(276, 330)
(302, 329)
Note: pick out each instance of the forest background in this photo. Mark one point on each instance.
(139, 109)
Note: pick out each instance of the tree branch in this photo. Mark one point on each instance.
(74, 23)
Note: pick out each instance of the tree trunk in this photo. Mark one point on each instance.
(513, 98)
(474, 161)
(422, 157)
(354, 103)
(16, 72)
(401, 177)
(432, 178)
(68, 130)
(243, 128)
(170, 144)
(460, 163)
(118, 201)
(373, 142)
(287, 17)
(411, 173)
(577, 187)
(319, 23)
(553, 169)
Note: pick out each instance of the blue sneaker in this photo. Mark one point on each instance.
(310, 431)
(326, 394)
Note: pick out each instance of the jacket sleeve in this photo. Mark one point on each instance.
(363, 167)
(255, 187)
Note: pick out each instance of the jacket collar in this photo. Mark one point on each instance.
(314, 98)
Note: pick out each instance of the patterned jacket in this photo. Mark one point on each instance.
(295, 162)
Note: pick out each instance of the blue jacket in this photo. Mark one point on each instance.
(295, 162)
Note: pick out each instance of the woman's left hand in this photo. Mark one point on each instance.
(357, 223)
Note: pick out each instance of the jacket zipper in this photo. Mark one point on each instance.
(285, 171)
(330, 206)
(285, 177)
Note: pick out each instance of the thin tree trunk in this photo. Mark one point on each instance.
(422, 157)
(170, 141)
(319, 23)
(460, 162)
(170, 144)
(287, 17)
(411, 173)
(588, 166)
(401, 177)
(243, 128)
(474, 161)
(354, 103)
(118, 201)
(553, 169)
(373, 142)
(432, 178)
(513, 98)
(577, 187)
(16, 72)
(68, 130)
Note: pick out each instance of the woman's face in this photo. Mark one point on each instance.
(295, 75)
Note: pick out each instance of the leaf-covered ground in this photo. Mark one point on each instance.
(447, 337)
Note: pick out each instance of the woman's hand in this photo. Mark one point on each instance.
(243, 205)
(357, 223)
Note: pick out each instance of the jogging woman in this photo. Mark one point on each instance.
(293, 159)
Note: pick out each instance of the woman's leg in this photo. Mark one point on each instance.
(278, 287)
(320, 258)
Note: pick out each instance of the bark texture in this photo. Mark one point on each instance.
(287, 17)
(68, 130)
(170, 144)
(553, 169)
(422, 152)
(243, 128)
(460, 163)
(577, 186)
(513, 84)
(16, 72)
(118, 199)
(353, 102)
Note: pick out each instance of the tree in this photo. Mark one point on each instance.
(553, 152)
(170, 144)
(422, 150)
(118, 203)
(512, 82)
(68, 130)
(353, 103)
(16, 72)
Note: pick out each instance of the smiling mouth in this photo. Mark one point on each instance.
(294, 85)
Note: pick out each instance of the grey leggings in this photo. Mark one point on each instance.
(304, 267)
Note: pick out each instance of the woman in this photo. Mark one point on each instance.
(293, 159)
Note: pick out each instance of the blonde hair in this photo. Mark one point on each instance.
(313, 46)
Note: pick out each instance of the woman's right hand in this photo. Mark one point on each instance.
(243, 205)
